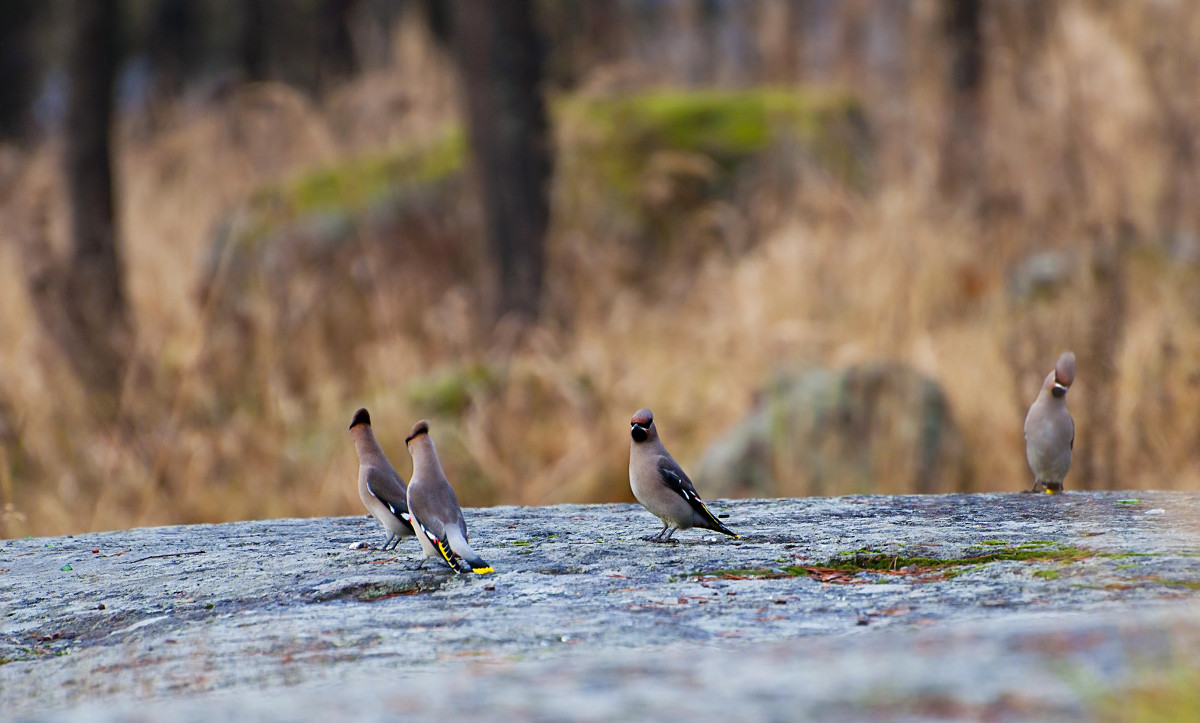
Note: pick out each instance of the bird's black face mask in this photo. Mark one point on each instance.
(640, 433)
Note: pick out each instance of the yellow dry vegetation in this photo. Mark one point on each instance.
(1073, 241)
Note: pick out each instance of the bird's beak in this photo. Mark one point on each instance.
(1059, 390)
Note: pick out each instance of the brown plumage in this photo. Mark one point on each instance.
(661, 485)
(436, 515)
(380, 487)
(1049, 429)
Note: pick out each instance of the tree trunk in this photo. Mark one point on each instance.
(962, 151)
(336, 59)
(173, 46)
(18, 64)
(604, 28)
(500, 58)
(1099, 448)
(91, 321)
(251, 39)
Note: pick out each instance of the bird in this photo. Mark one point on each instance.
(1049, 429)
(661, 485)
(438, 519)
(380, 487)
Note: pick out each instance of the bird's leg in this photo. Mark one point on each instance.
(658, 537)
(389, 542)
(668, 529)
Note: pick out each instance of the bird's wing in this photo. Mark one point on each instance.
(432, 510)
(677, 481)
(390, 491)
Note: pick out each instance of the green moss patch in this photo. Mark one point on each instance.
(656, 155)
(846, 568)
(872, 560)
(340, 192)
(726, 125)
(33, 652)
(355, 184)
(449, 391)
(1189, 584)
(1171, 694)
(372, 592)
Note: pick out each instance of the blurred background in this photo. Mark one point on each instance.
(835, 245)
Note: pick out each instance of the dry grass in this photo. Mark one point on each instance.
(1083, 135)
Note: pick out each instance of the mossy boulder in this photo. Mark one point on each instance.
(728, 127)
(355, 185)
(314, 266)
(841, 431)
(683, 171)
(450, 390)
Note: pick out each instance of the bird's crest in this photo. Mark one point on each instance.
(361, 417)
(421, 427)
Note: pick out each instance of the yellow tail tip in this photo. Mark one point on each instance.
(483, 570)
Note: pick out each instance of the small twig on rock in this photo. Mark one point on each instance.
(169, 554)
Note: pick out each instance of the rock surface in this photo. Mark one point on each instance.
(1005, 606)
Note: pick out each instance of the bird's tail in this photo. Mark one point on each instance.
(711, 522)
(458, 543)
